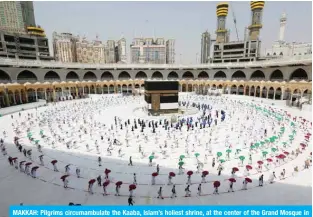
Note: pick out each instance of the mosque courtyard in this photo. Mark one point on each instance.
(252, 139)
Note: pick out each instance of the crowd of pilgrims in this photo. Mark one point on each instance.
(82, 114)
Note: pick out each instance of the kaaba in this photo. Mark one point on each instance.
(161, 96)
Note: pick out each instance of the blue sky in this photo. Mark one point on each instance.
(183, 21)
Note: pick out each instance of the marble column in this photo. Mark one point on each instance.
(26, 95)
(54, 95)
(274, 94)
(21, 101)
(14, 100)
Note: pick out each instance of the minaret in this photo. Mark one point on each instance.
(221, 32)
(283, 21)
(256, 21)
(246, 34)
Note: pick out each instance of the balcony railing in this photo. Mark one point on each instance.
(72, 79)
(304, 59)
(257, 78)
(22, 81)
(299, 78)
(4, 81)
(238, 78)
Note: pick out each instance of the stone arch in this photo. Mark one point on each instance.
(107, 76)
(287, 94)
(278, 93)
(123, 76)
(51, 75)
(240, 90)
(203, 75)
(130, 88)
(141, 75)
(258, 91)
(276, 75)
(188, 75)
(92, 89)
(271, 93)
(207, 87)
(201, 88)
(195, 87)
(189, 88)
(111, 88)
(90, 76)
(86, 89)
(50, 94)
(72, 76)
(184, 87)
(26, 76)
(233, 89)
(220, 74)
(296, 91)
(172, 75)
(257, 75)
(17, 94)
(40, 93)
(124, 88)
(99, 89)
(238, 75)
(31, 95)
(118, 88)
(4, 77)
(3, 102)
(252, 91)
(295, 97)
(157, 75)
(263, 93)
(307, 97)
(307, 93)
(247, 90)
(299, 74)
(73, 92)
(10, 97)
(105, 89)
(58, 93)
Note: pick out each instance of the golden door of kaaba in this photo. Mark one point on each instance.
(155, 102)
